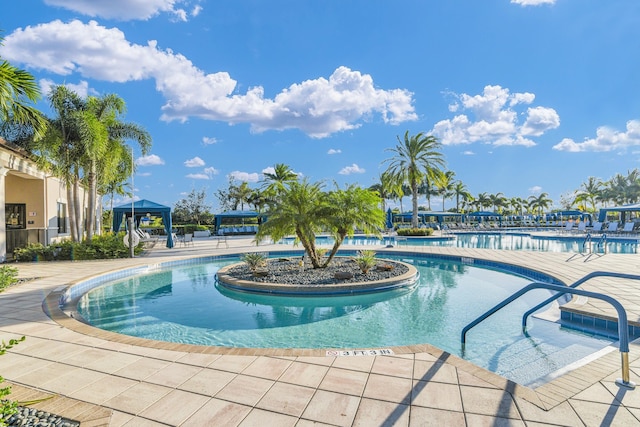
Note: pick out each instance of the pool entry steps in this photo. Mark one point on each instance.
(623, 325)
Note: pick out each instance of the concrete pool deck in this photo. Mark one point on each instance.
(104, 380)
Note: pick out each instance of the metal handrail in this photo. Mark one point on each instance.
(575, 284)
(602, 243)
(623, 331)
(587, 239)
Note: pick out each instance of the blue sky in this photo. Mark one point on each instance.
(526, 96)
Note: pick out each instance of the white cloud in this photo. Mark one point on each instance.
(196, 162)
(348, 170)
(606, 139)
(207, 173)
(209, 141)
(535, 190)
(245, 176)
(533, 2)
(334, 151)
(197, 176)
(150, 160)
(144, 174)
(196, 10)
(494, 119)
(211, 171)
(468, 153)
(124, 10)
(82, 88)
(539, 120)
(318, 107)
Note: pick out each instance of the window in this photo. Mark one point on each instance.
(62, 217)
(15, 216)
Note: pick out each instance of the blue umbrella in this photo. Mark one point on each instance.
(389, 218)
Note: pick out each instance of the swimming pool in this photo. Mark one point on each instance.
(182, 303)
(507, 241)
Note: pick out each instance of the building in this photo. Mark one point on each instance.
(33, 204)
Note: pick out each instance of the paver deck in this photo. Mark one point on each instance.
(105, 379)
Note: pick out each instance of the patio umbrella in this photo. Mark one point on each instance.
(389, 218)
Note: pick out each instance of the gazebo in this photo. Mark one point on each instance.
(236, 215)
(140, 209)
(633, 207)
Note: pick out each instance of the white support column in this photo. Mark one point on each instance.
(3, 224)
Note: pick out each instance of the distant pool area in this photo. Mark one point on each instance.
(512, 241)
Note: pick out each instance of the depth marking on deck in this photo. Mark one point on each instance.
(377, 352)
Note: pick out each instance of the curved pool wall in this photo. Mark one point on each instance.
(523, 371)
(73, 293)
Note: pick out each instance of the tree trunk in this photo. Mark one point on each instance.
(72, 212)
(334, 249)
(77, 208)
(93, 196)
(414, 202)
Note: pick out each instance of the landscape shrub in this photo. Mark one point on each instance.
(106, 246)
(415, 231)
(8, 276)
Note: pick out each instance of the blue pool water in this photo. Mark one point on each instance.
(505, 241)
(184, 304)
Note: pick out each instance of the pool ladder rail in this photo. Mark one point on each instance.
(600, 245)
(623, 329)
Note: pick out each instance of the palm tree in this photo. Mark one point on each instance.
(498, 201)
(299, 211)
(274, 182)
(19, 89)
(108, 146)
(444, 184)
(350, 209)
(85, 138)
(589, 192)
(416, 158)
(539, 203)
(240, 194)
(305, 209)
(114, 171)
(483, 201)
(460, 192)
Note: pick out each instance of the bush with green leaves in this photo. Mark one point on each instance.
(415, 231)
(106, 246)
(7, 407)
(8, 276)
(255, 260)
(366, 260)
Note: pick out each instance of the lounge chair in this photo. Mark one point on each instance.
(582, 227)
(187, 239)
(568, 227)
(612, 227)
(628, 228)
(597, 227)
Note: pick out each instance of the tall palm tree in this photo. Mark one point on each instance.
(18, 90)
(498, 201)
(240, 194)
(443, 182)
(109, 148)
(539, 203)
(483, 201)
(415, 158)
(460, 192)
(274, 182)
(589, 192)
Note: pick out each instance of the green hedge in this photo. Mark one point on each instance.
(106, 246)
(415, 231)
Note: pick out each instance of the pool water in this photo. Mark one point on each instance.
(184, 304)
(505, 241)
